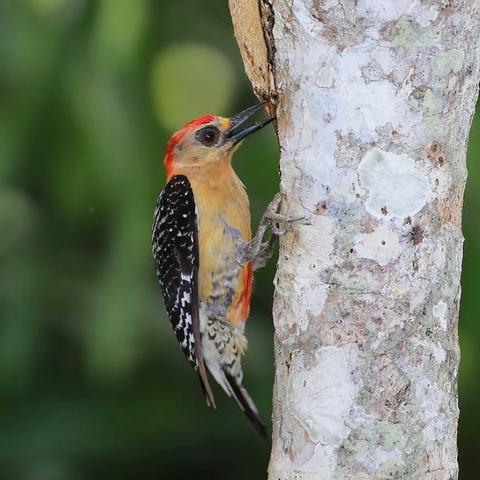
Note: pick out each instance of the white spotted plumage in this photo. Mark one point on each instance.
(175, 251)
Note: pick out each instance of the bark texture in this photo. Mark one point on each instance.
(374, 101)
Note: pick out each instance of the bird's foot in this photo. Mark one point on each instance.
(278, 223)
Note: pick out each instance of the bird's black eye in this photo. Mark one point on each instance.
(208, 136)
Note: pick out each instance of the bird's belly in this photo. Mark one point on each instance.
(224, 285)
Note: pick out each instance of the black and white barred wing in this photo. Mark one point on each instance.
(175, 251)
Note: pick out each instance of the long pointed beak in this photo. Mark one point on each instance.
(235, 135)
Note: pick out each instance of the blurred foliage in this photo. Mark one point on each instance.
(92, 383)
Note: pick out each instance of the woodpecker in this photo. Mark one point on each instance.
(204, 251)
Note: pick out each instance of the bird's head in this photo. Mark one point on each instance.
(208, 140)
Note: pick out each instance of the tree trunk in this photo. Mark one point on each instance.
(374, 101)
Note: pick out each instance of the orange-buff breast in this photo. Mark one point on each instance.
(224, 220)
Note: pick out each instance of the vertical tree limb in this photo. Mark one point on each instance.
(374, 101)
(253, 28)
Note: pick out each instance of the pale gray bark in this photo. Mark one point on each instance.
(374, 100)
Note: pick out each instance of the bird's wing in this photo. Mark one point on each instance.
(176, 254)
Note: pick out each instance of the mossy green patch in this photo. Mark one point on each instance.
(445, 63)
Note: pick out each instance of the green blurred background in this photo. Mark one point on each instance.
(92, 382)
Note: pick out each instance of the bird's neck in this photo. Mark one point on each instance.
(219, 177)
(217, 189)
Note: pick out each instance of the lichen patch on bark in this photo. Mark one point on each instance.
(394, 183)
(321, 395)
(382, 245)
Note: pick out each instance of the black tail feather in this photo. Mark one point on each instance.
(247, 406)
(207, 391)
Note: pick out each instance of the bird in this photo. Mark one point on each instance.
(204, 251)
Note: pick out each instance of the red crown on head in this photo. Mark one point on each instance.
(177, 137)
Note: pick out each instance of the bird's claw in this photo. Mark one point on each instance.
(279, 223)
(277, 231)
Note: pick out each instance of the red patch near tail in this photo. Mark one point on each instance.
(177, 137)
(245, 297)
